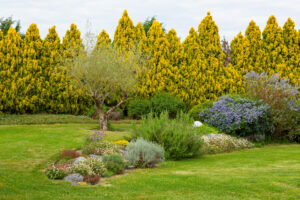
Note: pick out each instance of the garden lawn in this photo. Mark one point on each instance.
(272, 172)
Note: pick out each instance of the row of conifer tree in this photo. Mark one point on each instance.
(33, 78)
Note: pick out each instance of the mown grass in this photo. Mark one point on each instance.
(26, 151)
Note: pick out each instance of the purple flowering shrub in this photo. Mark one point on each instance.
(96, 136)
(282, 98)
(238, 116)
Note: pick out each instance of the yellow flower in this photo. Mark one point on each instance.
(81, 183)
(121, 142)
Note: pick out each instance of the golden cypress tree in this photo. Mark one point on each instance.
(103, 39)
(274, 48)
(72, 43)
(124, 37)
(240, 54)
(53, 72)
(11, 84)
(210, 45)
(290, 37)
(192, 71)
(256, 54)
(74, 100)
(140, 37)
(176, 58)
(158, 76)
(33, 101)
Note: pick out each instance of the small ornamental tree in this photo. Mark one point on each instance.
(104, 72)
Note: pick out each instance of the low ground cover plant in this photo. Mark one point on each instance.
(177, 136)
(142, 153)
(55, 173)
(239, 116)
(282, 98)
(219, 143)
(100, 148)
(114, 164)
(89, 167)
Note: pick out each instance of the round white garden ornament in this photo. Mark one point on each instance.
(197, 124)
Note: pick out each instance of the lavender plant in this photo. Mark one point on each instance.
(282, 98)
(238, 116)
(96, 136)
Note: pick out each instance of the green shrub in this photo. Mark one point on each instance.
(196, 110)
(142, 153)
(100, 148)
(177, 136)
(56, 173)
(138, 107)
(89, 167)
(220, 143)
(167, 102)
(114, 163)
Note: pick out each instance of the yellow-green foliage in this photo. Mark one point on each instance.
(124, 37)
(214, 79)
(274, 48)
(256, 53)
(10, 72)
(32, 74)
(158, 76)
(103, 39)
(291, 41)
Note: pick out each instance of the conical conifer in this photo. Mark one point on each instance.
(124, 37)
(290, 37)
(103, 39)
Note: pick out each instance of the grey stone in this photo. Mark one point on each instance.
(79, 159)
(96, 156)
(74, 178)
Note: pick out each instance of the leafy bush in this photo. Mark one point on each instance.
(219, 143)
(56, 173)
(114, 163)
(100, 148)
(142, 153)
(282, 98)
(177, 136)
(196, 110)
(138, 107)
(167, 102)
(238, 116)
(89, 167)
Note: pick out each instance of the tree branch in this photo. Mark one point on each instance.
(116, 106)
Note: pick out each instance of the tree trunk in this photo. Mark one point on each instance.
(103, 117)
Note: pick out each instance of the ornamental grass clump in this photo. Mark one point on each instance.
(239, 116)
(282, 98)
(142, 153)
(176, 136)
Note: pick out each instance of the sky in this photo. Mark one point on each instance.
(231, 16)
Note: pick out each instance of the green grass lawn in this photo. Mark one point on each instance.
(272, 172)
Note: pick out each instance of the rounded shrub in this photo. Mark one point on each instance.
(142, 153)
(114, 163)
(196, 110)
(56, 173)
(138, 107)
(166, 102)
(177, 136)
(238, 116)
